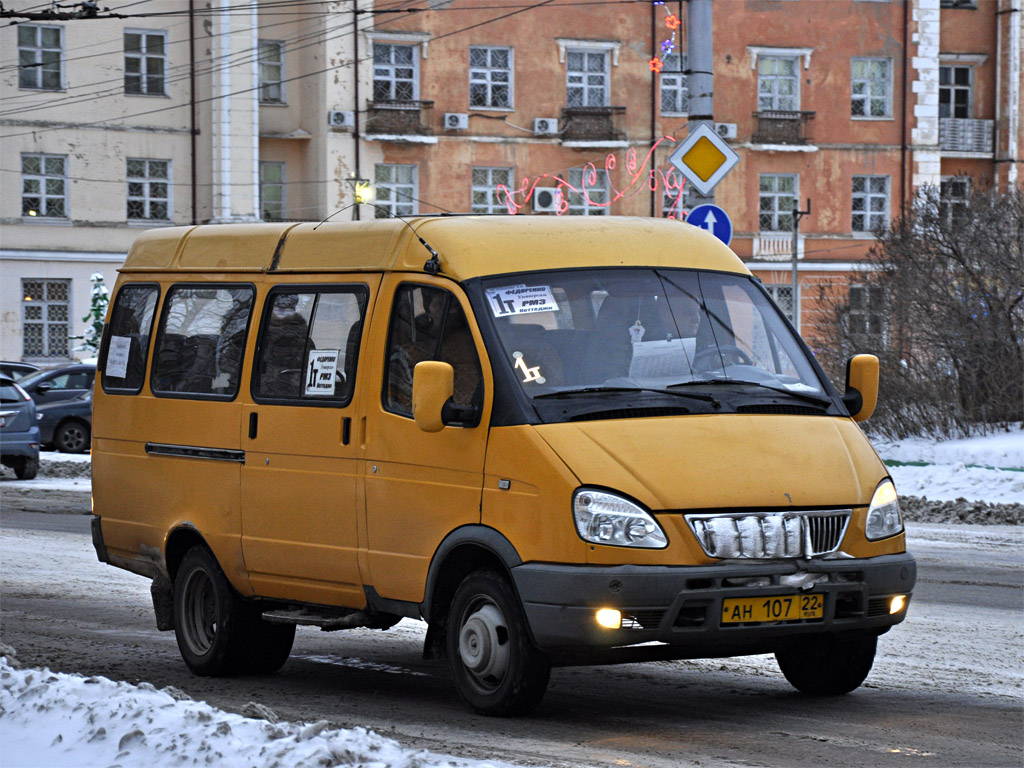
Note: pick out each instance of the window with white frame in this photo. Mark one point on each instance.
(587, 78)
(675, 91)
(592, 196)
(870, 87)
(395, 72)
(782, 295)
(145, 63)
(870, 202)
(485, 189)
(778, 83)
(45, 310)
(273, 202)
(395, 190)
(954, 197)
(40, 57)
(866, 320)
(149, 189)
(777, 197)
(44, 186)
(271, 72)
(490, 77)
(956, 91)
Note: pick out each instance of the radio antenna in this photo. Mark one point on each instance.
(432, 265)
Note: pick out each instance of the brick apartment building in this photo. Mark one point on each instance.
(172, 112)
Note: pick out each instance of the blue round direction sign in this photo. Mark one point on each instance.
(713, 219)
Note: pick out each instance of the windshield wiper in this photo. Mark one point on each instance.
(824, 402)
(604, 390)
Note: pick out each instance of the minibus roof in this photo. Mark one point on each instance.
(467, 246)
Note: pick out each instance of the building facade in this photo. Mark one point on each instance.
(241, 112)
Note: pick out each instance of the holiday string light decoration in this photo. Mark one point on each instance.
(667, 46)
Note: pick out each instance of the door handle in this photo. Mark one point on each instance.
(253, 425)
(346, 430)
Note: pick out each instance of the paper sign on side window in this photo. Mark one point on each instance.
(320, 371)
(521, 300)
(117, 356)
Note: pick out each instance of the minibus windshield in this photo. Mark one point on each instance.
(574, 332)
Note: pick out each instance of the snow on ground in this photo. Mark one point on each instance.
(49, 718)
(986, 468)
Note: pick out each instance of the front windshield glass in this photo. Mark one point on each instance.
(587, 330)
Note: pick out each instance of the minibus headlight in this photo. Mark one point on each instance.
(604, 518)
(884, 518)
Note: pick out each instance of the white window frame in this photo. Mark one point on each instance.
(45, 321)
(875, 331)
(147, 198)
(385, 71)
(870, 87)
(579, 203)
(781, 102)
(866, 196)
(949, 199)
(37, 51)
(785, 303)
(265, 184)
(674, 83)
(582, 79)
(391, 206)
(489, 77)
(952, 87)
(782, 219)
(488, 188)
(266, 61)
(144, 57)
(44, 194)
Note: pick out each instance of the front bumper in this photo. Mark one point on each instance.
(682, 605)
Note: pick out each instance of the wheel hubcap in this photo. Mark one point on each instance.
(199, 613)
(484, 646)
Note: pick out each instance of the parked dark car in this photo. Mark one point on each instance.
(63, 398)
(19, 435)
(16, 370)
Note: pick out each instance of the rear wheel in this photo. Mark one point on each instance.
(828, 665)
(496, 668)
(71, 437)
(24, 467)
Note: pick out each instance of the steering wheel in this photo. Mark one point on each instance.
(705, 359)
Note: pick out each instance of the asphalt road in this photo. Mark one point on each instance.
(946, 689)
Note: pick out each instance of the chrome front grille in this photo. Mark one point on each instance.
(770, 535)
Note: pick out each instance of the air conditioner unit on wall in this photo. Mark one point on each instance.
(726, 130)
(547, 200)
(337, 118)
(456, 121)
(545, 126)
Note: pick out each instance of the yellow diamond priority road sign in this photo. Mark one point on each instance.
(704, 158)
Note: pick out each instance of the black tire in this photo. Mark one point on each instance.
(25, 468)
(496, 668)
(828, 666)
(72, 437)
(268, 646)
(210, 620)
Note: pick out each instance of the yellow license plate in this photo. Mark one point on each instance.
(740, 610)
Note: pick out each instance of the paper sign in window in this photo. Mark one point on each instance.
(321, 369)
(117, 356)
(521, 300)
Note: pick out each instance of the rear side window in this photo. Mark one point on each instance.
(123, 359)
(309, 345)
(201, 340)
(429, 324)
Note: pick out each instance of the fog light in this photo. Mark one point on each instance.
(897, 604)
(609, 618)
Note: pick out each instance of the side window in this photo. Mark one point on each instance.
(123, 360)
(429, 324)
(309, 345)
(201, 340)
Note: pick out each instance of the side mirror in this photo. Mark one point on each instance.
(433, 384)
(43, 388)
(861, 386)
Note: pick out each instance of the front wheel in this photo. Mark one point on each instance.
(496, 668)
(828, 665)
(72, 437)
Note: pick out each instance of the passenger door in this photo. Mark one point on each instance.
(301, 482)
(421, 486)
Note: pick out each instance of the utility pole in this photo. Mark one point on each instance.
(700, 68)
(797, 215)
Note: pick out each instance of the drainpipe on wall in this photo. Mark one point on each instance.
(355, 91)
(655, 77)
(904, 197)
(192, 105)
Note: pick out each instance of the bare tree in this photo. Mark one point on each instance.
(941, 302)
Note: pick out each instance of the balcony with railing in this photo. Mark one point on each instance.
(593, 124)
(398, 117)
(958, 134)
(781, 126)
